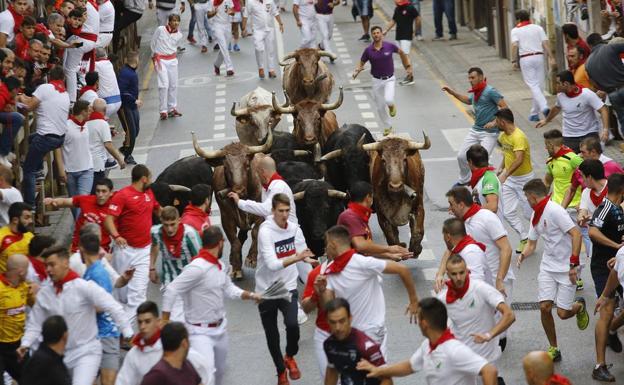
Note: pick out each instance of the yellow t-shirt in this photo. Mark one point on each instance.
(11, 243)
(13, 301)
(517, 141)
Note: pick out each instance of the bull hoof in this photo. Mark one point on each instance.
(237, 275)
(250, 262)
(416, 249)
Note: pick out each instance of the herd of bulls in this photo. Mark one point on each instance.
(319, 160)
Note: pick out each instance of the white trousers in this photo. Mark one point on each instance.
(486, 139)
(223, 35)
(104, 39)
(325, 25)
(112, 109)
(135, 292)
(162, 15)
(212, 345)
(201, 9)
(168, 84)
(308, 32)
(264, 43)
(516, 203)
(405, 45)
(383, 96)
(533, 74)
(85, 367)
(319, 338)
(71, 63)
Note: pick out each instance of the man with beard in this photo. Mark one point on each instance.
(129, 222)
(176, 244)
(15, 237)
(197, 213)
(202, 285)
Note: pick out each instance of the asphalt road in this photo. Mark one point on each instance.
(205, 101)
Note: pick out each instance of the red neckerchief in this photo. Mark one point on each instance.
(97, 115)
(139, 342)
(538, 210)
(170, 30)
(478, 174)
(16, 17)
(59, 85)
(174, 244)
(558, 379)
(78, 122)
(478, 90)
(206, 255)
(70, 276)
(6, 281)
(340, 262)
(275, 176)
(39, 267)
(10, 239)
(74, 31)
(446, 336)
(94, 4)
(465, 241)
(598, 198)
(471, 211)
(85, 89)
(575, 92)
(453, 293)
(360, 210)
(41, 28)
(562, 151)
(523, 24)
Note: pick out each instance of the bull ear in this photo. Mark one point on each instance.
(299, 195)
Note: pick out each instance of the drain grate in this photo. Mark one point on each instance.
(520, 306)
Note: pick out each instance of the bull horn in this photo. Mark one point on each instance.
(327, 54)
(223, 193)
(266, 147)
(336, 104)
(320, 78)
(336, 194)
(317, 152)
(331, 155)
(301, 152)
(179, 187)
(410, 192)
(420, 146)
(371, 146)
(298, 195)
(360, 141)
(205, 153)
(285, 58)
(281, 109)
(239, 112)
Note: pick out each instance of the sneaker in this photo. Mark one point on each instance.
(453, 36)
(282, 379)
(217, 71)
(582, 317)
(392, 110)
(614, 342)
(419, 38)
(236, 47)
(11, 156)
(554, 353)
(438, 38)
(534, 118)
(502, 343)
(216, 47)
(39, 175)
(407, 81)
(229, 73)
(130, 160)
(174, 113)
(272, 75)
(601, 373)
(181, 49)
(365, 38)
(521, 246)
(204, 49)
(163, 116)
(261, 73)
(579, 284)
(5, 162)
(387, 131)
(291, 367)
(191, 40)
(302, 317)
(110, 164)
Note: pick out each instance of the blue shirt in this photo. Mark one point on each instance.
(381, 61)
(128, 82)
(97, 273)
(485, 108)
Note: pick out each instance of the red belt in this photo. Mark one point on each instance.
(210, 325)
(531, 54)
(89, 36)
(158, 57)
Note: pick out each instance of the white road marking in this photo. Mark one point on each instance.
(220, 93)
(347, 61)
(354, 81)
(220, 86)
(345, 55)
(219, 109)
(430, 273)
(219, 127)
(188, 152)
(342, 49)
(220, 101)
(364, 106)
(289, 118)
(219, 135)
(186, 143)
(340, 44)
(443, 159)
(455, 136)
(368, 115)
(426, 255)
(219, 118)
(360, 97)
(356, 90)
(371, 125)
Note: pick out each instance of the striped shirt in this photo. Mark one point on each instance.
(609, 219)
(169, 266)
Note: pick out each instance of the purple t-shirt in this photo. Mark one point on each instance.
(382, 64)
(164, 374)
(322, 7)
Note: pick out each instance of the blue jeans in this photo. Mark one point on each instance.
(79, 183)
(446, 7)
(11, 124)
(40, 145)
(416, 4)
(193, 21)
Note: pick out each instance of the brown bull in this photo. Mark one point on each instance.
(237, 173)
(307, 77)
(398, 176)
(313, 121)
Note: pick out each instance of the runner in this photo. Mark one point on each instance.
(463, 245)
(486, 188)
(406, 17)
(310, 301)
(305, 15)
(164, 47)
(539, 370)
(15, 237)
(197, 213)
(262, 13)
(325, 21)
(220, 15)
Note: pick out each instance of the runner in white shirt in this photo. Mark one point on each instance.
(592, 172)
(8, 27)
(262, 13)
(305, 15)
(443, 359)
(8, 194)
(556, 281)
(147, 350)
(358, 279)
(88, 93)
(462, 244)
(219, 15)
(77, 301)
(100, 141)
(164, 47)
(107, 23)
(108, 88)
(471, 307)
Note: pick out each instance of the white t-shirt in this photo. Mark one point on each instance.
(480, 198)
(306, 8)
(107, 16)
(474, 313)
(451, 363)
(92, 23)
(586, 201)
(107, 79)
(529, 38)
(99, 133)
(52, 110)
(9, 196)
(164, 42)
(579, 113)
(360, 284)
(89, 96)
(7, 24)
(221, 17)
(553, 227)
(619, 265)
(476, 263)
(262, 14)
(76, 154)
(486, 227)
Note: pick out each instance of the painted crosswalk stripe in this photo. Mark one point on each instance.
(368, 115)
(371, 125)
(360, 98)
(220, 86)
(364, 106)
(220, 101)
(219, 118)
(219, 135)
(219, 109)
(220, 93)
(219, 127)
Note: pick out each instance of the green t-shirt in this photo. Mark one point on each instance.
(489, 184)
(561, 169)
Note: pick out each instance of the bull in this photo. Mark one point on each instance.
(255, 117)
(294, 172)
(398, 175)
(285, 148)
(307, 77)
(237, 173)
(318, 207)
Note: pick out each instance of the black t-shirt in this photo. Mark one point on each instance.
(609, 219)
(344, 356)
(404, 16)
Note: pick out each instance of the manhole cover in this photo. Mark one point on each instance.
(520, 306)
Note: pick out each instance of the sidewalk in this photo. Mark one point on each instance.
(450, 60)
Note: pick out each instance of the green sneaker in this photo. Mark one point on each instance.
(554, 353)
(392, 110)
(387, 131)
(579, 284)
(582, 317)
(521, 246)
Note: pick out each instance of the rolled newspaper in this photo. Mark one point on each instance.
(277, 290)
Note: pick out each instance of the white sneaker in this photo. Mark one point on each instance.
(419, 38)
(302, 317)
(11, 156)
(5, 162)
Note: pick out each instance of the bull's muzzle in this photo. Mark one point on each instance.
(395, 186)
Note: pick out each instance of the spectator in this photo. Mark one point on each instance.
(108, 89)
(7, 58)
(577, 67)
(10, 119)
(88, 93)
(11, 20)
(446, 7)
(100, 141)
(27, 32)
(197, 213)
(106, 9)
(46, 366)
(130, 103)
(613, 15)
(573, 40)
(16, 236)
(36, 269)
(127, 12)
(8, 194)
